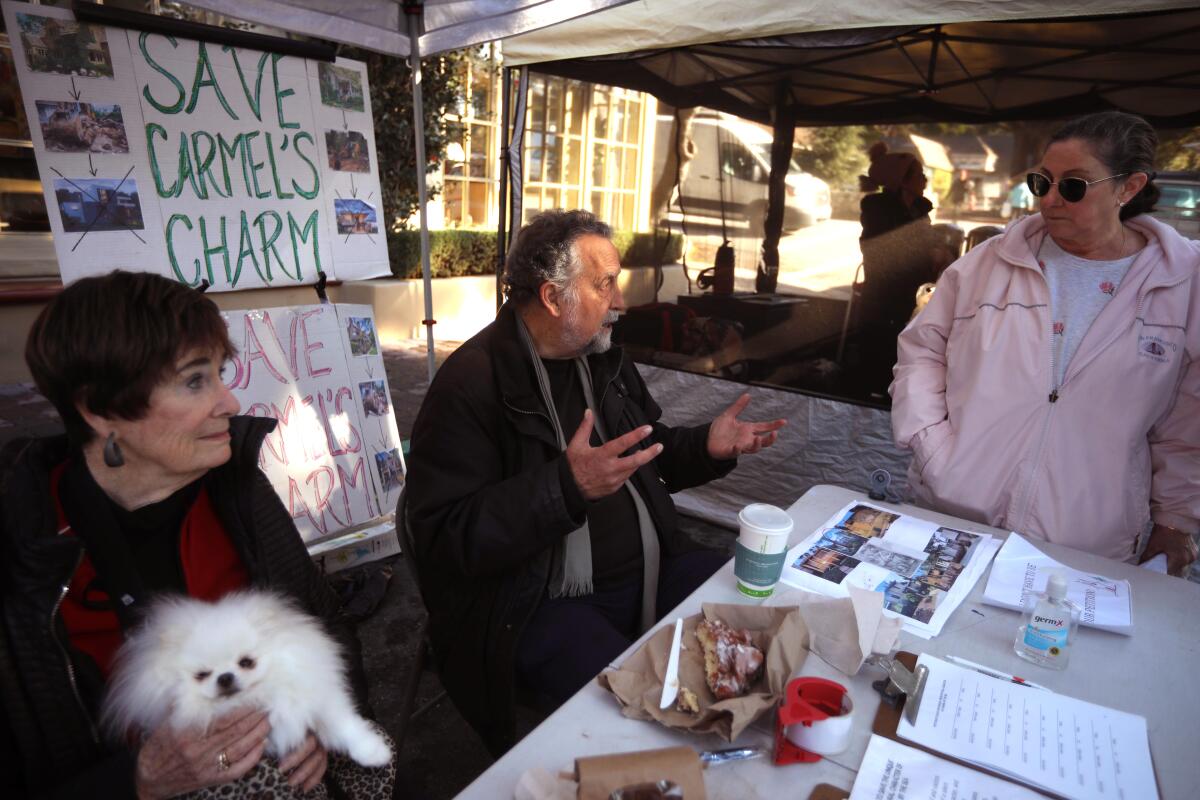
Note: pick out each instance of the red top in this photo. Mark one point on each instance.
(211, 569)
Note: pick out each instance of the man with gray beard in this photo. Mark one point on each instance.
(539, 485)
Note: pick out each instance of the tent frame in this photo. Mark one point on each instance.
(906, 101)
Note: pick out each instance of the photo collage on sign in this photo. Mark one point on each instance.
(69, 127)
(914, 586)
(98, 204)
(354, 216)
(187, 157)
(374, 398)
(361, 333)
(347, 150)
(64, 47)
(61, 50)
(380, 434)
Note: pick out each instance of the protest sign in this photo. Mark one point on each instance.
(198, 161)
(334, 458)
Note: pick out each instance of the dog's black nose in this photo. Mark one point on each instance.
(225, 680)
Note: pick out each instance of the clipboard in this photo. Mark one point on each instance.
(894, 702)
(893, 705)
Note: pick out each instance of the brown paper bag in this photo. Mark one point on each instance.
(779, 632)
(599, 776)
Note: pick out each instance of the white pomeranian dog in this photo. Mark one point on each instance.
(193, 661)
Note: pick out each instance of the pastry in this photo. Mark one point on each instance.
(731, 661)
(687, 702)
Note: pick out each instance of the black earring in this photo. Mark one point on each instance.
(113, 457)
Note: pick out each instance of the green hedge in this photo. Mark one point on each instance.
(451, 253)
(459, 252)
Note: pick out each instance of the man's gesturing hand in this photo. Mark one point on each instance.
(730, 437)
(600, 471)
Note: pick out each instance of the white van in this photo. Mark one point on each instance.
(731, 169)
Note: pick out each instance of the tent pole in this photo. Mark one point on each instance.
(516, 157)
(505, 157)
(781, 157)
(413, 11)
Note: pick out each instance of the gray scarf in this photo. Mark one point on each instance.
(571, 566)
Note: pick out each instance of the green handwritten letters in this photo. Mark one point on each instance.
(210, 142)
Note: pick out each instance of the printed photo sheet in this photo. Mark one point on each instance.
(923, 570)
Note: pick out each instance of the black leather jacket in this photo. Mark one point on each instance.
(48, 690)
(486, 505)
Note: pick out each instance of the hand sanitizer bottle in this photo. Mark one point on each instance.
(1049, 630)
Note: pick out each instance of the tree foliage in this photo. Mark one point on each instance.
(1179, 149)
(392, 105)
(837, 155)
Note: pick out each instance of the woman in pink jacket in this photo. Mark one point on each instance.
(1051, 386)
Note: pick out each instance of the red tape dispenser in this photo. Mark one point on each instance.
(814, 720)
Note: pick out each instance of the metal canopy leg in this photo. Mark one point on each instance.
(414, 10)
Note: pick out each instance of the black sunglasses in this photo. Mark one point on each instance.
(1070, 189)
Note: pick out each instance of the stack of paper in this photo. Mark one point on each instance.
(890, 769)
(1020, 574)
(1050, 741)
(923, 570)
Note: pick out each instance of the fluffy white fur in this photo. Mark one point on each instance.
(193, 661)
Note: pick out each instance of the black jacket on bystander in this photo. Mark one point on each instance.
(487, 508)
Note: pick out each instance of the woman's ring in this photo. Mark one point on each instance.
(222, 761)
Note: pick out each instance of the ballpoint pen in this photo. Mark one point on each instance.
(995, 673)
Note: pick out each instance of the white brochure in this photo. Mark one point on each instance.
(898, 772)
(1021, 571)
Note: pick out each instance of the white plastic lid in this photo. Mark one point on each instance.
(765, 517)
(1056, 586)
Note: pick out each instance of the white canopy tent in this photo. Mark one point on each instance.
(661, 24)
(380, 25)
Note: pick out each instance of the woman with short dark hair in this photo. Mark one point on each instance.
(1052, 384)
(154, 489)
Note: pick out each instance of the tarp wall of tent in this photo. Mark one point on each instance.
(825, 441)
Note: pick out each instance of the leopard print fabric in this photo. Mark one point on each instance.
(344, 778)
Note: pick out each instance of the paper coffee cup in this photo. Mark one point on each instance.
(761, 548)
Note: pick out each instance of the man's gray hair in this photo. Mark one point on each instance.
(545, 252)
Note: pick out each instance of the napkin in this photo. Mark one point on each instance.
(844, 631)
(779, 632)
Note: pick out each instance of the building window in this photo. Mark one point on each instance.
(22, 206)
(616, 151)
(583, 149)
(469, 173)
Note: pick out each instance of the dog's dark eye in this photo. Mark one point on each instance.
(203, 674)
(246, 663)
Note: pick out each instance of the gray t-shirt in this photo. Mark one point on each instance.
(1079, 291)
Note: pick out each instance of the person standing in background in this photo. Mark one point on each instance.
(899, 251)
